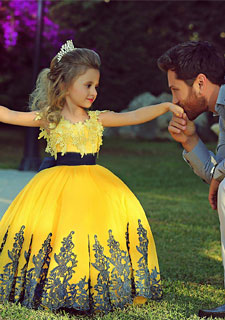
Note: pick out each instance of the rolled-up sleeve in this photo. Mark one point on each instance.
(219, 172)
(202, 161)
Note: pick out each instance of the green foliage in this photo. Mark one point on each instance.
(129, 35)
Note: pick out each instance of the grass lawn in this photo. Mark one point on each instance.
(185, 229)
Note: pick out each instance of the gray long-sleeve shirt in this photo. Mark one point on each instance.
(204, 162)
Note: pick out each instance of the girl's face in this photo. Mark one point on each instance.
(83, 91)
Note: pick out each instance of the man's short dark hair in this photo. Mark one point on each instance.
(191, 58)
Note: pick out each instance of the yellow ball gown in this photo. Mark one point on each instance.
(76, 237)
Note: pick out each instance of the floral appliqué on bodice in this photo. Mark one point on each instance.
(83, 136)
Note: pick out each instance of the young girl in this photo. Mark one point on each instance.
(76, 237)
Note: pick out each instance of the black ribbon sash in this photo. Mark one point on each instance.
(69, 159)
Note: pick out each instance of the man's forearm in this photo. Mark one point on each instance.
(190, 143)
(202, 161)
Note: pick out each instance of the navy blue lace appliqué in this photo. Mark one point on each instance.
(8, 279)
(59, 293)
(147, 285)
(40, 287)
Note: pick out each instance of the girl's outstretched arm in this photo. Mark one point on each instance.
(19, 118)
(141, 115)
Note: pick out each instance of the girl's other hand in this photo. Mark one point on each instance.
(177, 110)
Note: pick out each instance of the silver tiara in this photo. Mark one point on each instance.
(67, 47)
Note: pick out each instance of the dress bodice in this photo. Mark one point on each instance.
(82, 137)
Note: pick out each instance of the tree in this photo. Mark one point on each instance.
(17, 33)
(128, 35)
(131, 35)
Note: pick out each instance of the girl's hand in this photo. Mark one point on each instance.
(138, 116)
(177, 110)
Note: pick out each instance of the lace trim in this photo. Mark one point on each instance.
(39, 287)
(80, 134)
(38, 116)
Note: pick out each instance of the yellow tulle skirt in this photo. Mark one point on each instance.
(77, 238)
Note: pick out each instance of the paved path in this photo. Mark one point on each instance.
(11, 182)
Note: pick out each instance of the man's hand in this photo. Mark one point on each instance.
(213, 189)
(183, 130)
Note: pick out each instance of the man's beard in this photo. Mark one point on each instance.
(193, 106)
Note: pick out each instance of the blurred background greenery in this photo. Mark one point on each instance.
(128, 35)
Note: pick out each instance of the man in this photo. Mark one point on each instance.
(195, 71)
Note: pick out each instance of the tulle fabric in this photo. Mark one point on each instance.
(76, 237)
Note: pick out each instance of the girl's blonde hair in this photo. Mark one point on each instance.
(52, 84)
